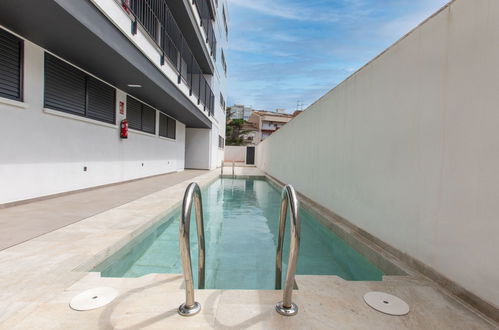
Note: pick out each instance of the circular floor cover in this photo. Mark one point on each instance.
(386, 303)
(93, 298)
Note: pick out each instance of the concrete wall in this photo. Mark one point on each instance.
(235, 153)
(407, 148)
(197, 148)
(43, 152)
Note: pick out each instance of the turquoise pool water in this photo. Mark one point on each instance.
(241, 220)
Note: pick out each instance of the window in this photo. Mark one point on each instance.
(222, 102)
(167, 126)
(221, 142)
(140, 116)
(11, 58)
(71, 90)
(224, 64)
(225, 24)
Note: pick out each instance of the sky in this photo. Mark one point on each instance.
(284, 51)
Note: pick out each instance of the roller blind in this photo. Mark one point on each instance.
(140, 116)
(68, 89)
(10, 66)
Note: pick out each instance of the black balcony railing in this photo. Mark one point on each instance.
(204, 12)
(157, 19)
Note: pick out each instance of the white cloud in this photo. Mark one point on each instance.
(400, 26)
(282, 10)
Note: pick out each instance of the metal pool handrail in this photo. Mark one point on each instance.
(233, 166)
(288, 196)
(191, 307)
(222, 168)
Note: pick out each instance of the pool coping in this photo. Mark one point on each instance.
(145, 229)
(388, 266)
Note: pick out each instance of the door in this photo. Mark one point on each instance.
(250, 155)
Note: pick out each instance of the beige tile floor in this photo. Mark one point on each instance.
(23, 222)
(38, 278)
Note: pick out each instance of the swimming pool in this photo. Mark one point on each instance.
(241, 223)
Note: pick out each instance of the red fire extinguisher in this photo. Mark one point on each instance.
(126, 5)
(124, 129)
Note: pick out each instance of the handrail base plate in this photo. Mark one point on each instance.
(189, 311)
(286, 311)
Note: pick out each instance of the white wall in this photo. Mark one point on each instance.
(235, 153)
(198, 148)
(44, 153)
(408, 147)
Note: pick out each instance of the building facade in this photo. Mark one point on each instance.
(66, 87)
(267, 122)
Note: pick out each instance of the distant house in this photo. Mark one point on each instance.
(267, 122)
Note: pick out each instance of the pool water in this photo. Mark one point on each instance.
(241, 222)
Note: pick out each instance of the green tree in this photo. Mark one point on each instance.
(234, 132)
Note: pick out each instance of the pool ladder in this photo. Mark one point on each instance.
(288, 198)
(233, 168)
(193, 193)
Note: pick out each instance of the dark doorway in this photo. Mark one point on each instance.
(250, 155)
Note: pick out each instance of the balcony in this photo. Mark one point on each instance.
(157, 20)
(80, 33)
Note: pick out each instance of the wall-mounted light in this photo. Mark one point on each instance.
(134, 86)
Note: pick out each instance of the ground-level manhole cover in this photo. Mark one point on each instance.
(386, 303)
(93, 298)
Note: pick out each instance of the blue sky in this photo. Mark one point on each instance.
(281, 51)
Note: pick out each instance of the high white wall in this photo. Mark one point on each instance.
(43, 153)
(408, 147)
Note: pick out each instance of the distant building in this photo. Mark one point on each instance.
(239, 111)
(267, 122)
(250, 137)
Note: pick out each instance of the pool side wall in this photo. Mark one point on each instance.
(405, 150)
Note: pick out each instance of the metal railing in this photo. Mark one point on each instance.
(222, 169)
(288, 197)
(157, 19)
(202, 7)
(191, 307)
(233, 168)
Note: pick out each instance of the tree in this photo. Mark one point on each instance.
(234, 132)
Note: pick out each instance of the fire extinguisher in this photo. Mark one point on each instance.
(124, 129)
(126, 5)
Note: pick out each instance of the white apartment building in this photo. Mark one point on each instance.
(72, 71)
(238, 111)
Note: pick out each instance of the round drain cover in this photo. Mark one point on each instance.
(386, 303)
(93, 298)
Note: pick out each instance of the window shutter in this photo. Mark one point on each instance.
(163, 128)
(64, 86)
(172, 128)
(148, 119)
(101, 101)
(10, 66)
(134, 113)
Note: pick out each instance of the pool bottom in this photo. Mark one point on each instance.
(241, 218)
